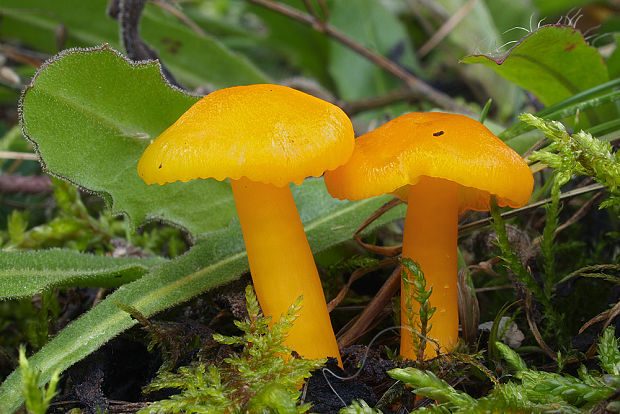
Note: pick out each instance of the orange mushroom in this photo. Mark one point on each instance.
(263, 137)
(442, 164)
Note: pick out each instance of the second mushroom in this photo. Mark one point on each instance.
(441, 164)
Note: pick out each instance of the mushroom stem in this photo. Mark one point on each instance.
(282, 265)
(430, 239)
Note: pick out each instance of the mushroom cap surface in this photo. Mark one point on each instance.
(268, 133)
(448, 146)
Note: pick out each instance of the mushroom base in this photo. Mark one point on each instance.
(430, 239)
(282, 265)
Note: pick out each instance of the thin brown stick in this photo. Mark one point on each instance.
(446, 28)
(13, 155)
(468, 308)
(24, 56)
(355, 276)
(575, 217)
(611, 315)
(355, 107)
(583, 210)
(534, 328)
(589, 270)
(368, 315)
(606, 316)
(420, 88)
(389, 251)
(493, 288)
(25, 184)
(465, 228)
(179, 15)
(424, 23)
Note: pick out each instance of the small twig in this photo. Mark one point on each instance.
(575, 217)
(420, 88)
(368, 315)
(424, 23)
(24, 56)
(590, 270)
(313, 12)
(355, 276)
(493, 288)
(389, 251)
(446, 28)
(581, 212)
(13, 155)
(126, 407)
(465, 228)
(25, 184)
(164, 5)
(608, 316)
(537, 145)
(534, 328)
(355, 107)
(486, 267)
(468, 307)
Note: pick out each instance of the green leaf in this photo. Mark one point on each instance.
(613, 61)
(371, 24)
(297, 44)
(553, 7)
(193, 59)
(484, 27)
(217, 258)
(28, 273)
(91, 113)
(553, 62)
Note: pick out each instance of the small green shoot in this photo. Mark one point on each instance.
(513, 263)
(37, 398)
(359, 407)
(415, 291)
(578, 154)
(534, 391)
(261, 378)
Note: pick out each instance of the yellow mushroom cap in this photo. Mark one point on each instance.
(448, 146)
(268, 133)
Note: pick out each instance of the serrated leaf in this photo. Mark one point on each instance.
(554, 62)
(28, 273)
(193, 59)
(217, 258)
(91, 113)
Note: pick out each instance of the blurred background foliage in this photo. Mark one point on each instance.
(376, 59)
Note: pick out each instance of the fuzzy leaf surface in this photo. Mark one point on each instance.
(28, 273)
(91, 113)
(554, 62)
(215, 259)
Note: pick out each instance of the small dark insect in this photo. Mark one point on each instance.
(160, 165)
(438, 133)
